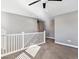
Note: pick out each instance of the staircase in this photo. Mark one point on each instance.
(29, 53)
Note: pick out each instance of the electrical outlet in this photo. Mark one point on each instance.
(69, 40)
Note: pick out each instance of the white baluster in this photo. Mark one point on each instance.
(44, 37)
(23, 39)
(14, 43)
(11, 43)
(5, 43)
(17, 41)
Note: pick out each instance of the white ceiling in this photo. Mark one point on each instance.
(58, 8)
(53, 8)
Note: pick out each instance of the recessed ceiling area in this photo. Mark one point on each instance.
(53, 8)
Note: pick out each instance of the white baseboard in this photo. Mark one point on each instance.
(51, 37)
(66, 44)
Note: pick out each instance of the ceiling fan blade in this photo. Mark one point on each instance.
(34, 2)
(44, 5)
(54, 0)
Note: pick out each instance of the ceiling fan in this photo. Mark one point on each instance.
(44, 2)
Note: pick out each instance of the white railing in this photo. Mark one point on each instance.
(11, 43)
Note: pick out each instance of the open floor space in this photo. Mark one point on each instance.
(51, 50)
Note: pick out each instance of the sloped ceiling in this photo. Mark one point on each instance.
(53, 8)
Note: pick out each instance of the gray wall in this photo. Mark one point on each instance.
(12, 23)
(66, 30)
